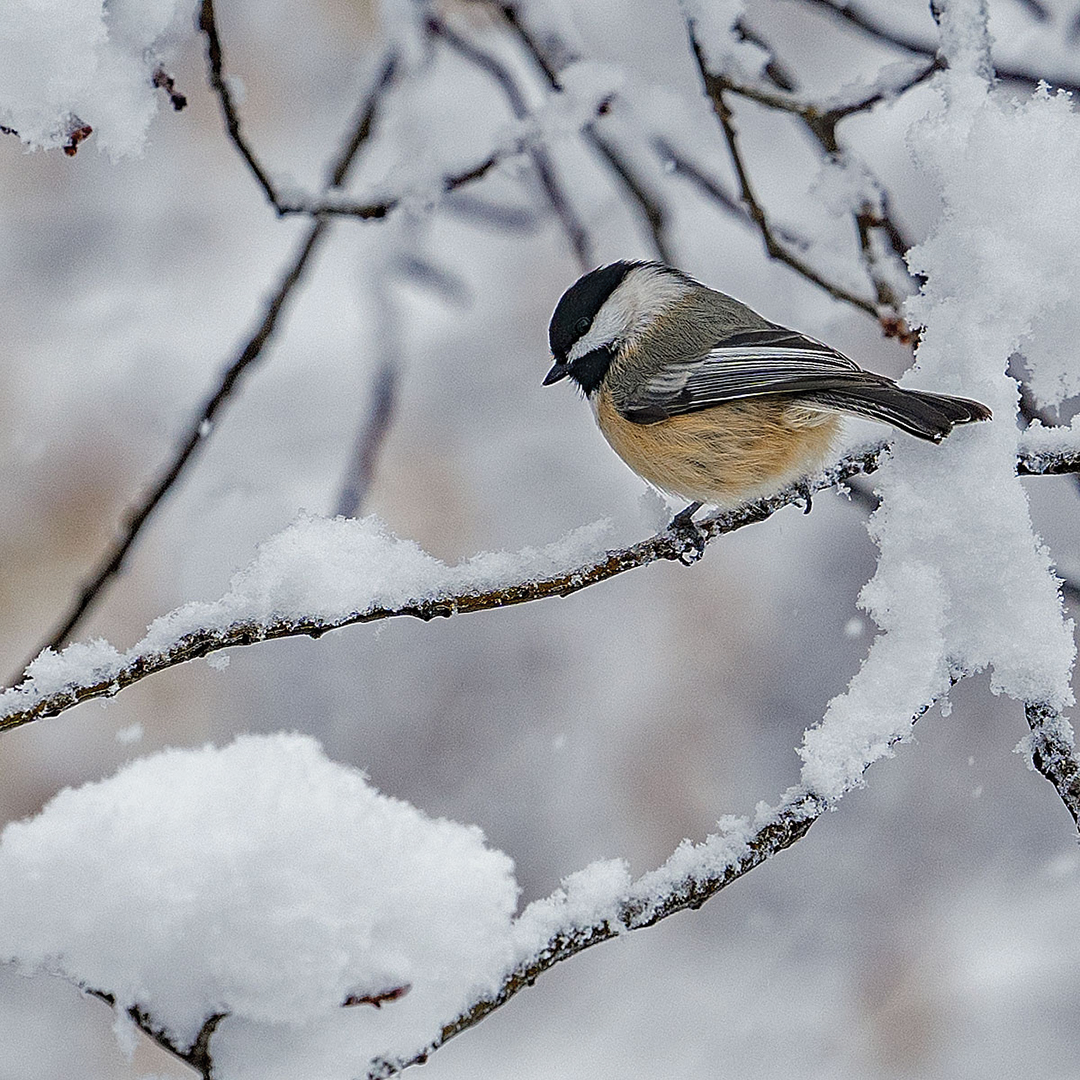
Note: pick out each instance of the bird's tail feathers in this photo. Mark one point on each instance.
(925, 415)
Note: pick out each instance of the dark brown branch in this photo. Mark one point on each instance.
(788, 824)
(775, 71)
(666, 545)
(1053, 753)
(138, 515)
(216, 60)
(821, 123)
(773, 247)
(712, 189)
(361, 130)
(197, 1055)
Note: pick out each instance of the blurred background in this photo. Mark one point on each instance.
(926, 928)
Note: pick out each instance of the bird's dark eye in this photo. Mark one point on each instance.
(581, 327)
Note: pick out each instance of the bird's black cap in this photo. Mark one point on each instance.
(576, 310)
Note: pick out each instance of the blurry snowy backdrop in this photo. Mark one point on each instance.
(925, 928)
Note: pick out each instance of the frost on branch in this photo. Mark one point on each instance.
(268, 883)
(71, 65)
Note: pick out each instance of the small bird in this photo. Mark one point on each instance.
(707, 400)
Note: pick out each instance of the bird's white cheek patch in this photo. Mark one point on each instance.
(643, 295)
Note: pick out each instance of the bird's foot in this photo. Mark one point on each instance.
(803, 488)
(690, 538)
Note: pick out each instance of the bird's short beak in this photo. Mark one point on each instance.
(559, 370)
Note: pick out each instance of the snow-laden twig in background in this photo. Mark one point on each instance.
(548, 56)
(555, 929)
(202, 425)
(545, 168)
(406, 582)
(851, 14)
(870, 214)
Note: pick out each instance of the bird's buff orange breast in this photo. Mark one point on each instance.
(726, 455)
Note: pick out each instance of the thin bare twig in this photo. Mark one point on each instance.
(328, 207)
(201, 427)
(708, 185)
(651, 208)
(369, 440)
(515, 98)
(216, 60)
(775, 71)
(822, 123)
(773, 246)
(198, 1055)
(649, 204)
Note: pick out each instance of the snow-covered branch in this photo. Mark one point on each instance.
(587, 911)
(426, 590)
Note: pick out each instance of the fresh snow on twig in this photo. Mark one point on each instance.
(317, 568)
(66, 63)
(264, 881)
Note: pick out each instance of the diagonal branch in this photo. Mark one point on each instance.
(216, 60)
(27, 702)
(715, 864)
(651, 208)
(773, 247)
(544, 57)
(1053, 753)
(59, 691)
(202, 425)
(515, 98)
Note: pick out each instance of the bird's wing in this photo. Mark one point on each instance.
(750, 363)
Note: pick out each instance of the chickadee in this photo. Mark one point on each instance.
(707, 400)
